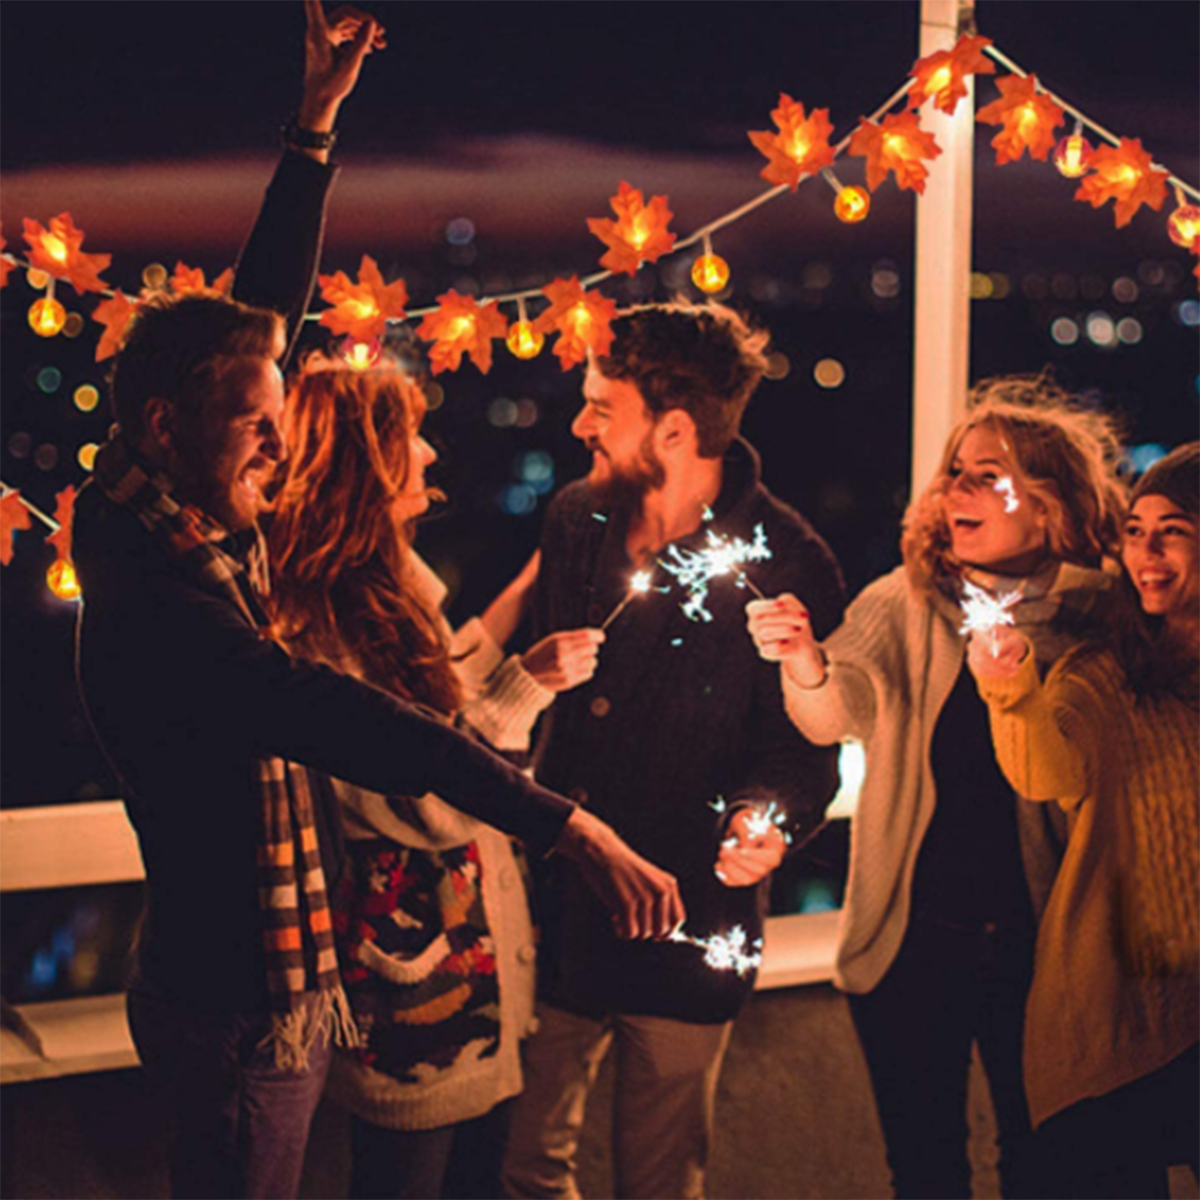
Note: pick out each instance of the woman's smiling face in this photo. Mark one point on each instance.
(1160, 551)
(995, 523)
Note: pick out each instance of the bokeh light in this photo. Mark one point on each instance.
(829, 373)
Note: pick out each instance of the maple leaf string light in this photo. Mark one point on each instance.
(1183, 225)
(1073, 154)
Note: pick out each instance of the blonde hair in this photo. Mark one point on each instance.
(1067, 457)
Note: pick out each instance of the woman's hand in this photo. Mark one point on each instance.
(782, 633)
(997, 654)
(565, 659)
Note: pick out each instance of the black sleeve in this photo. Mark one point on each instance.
(251, 689)
(784, 766)
(277, 267)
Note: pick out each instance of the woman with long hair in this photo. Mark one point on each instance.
(948, 871)
(1111, 1062)
(434, 932)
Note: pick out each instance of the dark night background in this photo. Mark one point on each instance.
(156, 125)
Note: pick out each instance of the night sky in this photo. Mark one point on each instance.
(156, 125)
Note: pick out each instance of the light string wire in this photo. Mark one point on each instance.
(1094, 126)
(49, 522)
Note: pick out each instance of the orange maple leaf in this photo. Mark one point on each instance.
(1028, 119)
(191, 279)
(115, 315)
(224, 282)
(943, 73)
(13, 516)
(461, 326)
(362, 309)
(801, 147)
(638, 235)
(57, 252)
(5, 265)
(1126, 175)
(582, 319)
(897, 144)
(64, 512)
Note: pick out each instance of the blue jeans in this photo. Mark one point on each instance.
(239, 1125)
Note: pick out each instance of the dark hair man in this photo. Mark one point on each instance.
(677, 716)
(206, 718)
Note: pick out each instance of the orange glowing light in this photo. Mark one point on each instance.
(47, 317)
(361, 356)
(62, 580)
(851, 205)
(638, 235)
(524, 341)
(1183, 225)
(710, 273)
(55, 247)
(1072, 155)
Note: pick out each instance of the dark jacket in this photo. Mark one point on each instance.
(184, 695)
(678, 714)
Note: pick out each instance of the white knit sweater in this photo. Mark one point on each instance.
(893, 663)
(502, 702)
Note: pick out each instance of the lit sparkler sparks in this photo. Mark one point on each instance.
(1004, 486)
(984, 613)
(694, 569)
(732, 951)
(760, 821)
(639, 585)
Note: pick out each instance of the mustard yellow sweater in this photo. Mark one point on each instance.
(1116, 990)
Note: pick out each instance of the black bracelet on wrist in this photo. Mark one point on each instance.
(306, 139)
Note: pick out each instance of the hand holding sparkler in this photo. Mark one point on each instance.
(643, 899)
(753, 848)
(565, 659)
(782, 632)
(1000, 656)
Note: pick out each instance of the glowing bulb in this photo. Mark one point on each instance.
(1028, 123)
(1183, 225)
(55, 247)
(361, 356)
(62, 580)
(47, 317)
(1072, 155)
(36, 279)
(938, 80)
(852, 205)
(525, 341)
(799, 148)
(710, 273)
(580, 317)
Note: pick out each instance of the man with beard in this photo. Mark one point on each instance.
(676, 717)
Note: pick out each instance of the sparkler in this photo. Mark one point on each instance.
(732, 951)
(639, 585)
(760, 822)
(984, 613)
(721, 555)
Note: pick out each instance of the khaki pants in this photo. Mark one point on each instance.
(666, 1086)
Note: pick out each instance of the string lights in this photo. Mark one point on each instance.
(578, 316)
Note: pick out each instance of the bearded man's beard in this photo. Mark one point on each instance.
(624, 488)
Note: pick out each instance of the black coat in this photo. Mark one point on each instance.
(184, 694)
(679, 713)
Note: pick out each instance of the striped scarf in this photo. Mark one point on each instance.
(307, 1000)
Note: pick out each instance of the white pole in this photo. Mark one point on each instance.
(942, 325)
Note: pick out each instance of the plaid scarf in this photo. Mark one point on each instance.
(307, 1000)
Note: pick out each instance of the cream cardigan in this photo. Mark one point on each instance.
(501, 702)
(893, 663)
